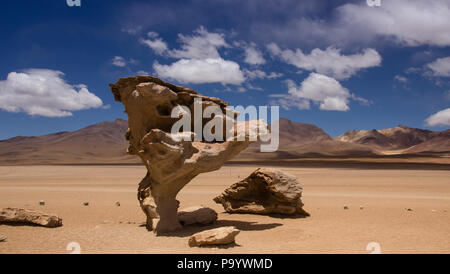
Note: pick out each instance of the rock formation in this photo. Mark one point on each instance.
(172, 160)
(197, 215)
(218, 236)
(3, 238)
(265, 191)
(18, 215)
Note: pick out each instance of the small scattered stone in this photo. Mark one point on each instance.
(409, 209)
(345, 207)
(42, 203)
(433, 210)
(218, 236)
(3, 238)
(117, 203)
(361, 207)
(86, 203)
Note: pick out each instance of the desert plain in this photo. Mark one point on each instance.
(376, 201)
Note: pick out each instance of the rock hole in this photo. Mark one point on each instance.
(164, 110)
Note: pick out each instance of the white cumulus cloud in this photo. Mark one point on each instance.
(440, 118)
(44, 92)
(329, 62)
(408, 22)
(260, 74)
(118, 61)
(197, 71)
(201, 45)
(253, 56)
(440, 67)
(321, 89)
(155, 43)
(121, 62)
(199, 59)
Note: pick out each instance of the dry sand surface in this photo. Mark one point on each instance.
(102, 227)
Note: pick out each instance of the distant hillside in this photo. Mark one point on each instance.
(99, 143)
(298, 133)
(397, 138)
(304, 140)
(104, 143)
(371, 138)
(439, 143)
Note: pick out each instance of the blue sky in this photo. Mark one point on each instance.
(337, 64)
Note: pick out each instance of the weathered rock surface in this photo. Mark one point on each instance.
(3, 238)
(265, 191)
(18, 215)
(197, 215)
(217, 236)
(171, 161)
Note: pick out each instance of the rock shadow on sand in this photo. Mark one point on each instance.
(294, 216)
(190, 230)
(226, 246)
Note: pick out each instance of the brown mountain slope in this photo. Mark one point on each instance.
(104, 143)
(299, 140)
(298, 133)
(400, 137)
(99, 143)
(366, 137)
(438, 144)
(404, 137)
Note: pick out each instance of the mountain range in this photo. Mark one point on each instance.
(104, 143)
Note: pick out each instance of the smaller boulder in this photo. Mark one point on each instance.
(42, 203)
(218, 236)
(3, 238)
(265, 191)
(117, 203)
(86, 203)
(197, 215)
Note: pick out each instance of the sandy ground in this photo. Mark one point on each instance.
(102, 227)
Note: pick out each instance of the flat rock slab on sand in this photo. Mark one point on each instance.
(197, 215)
(218, 236)
(25, 216)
